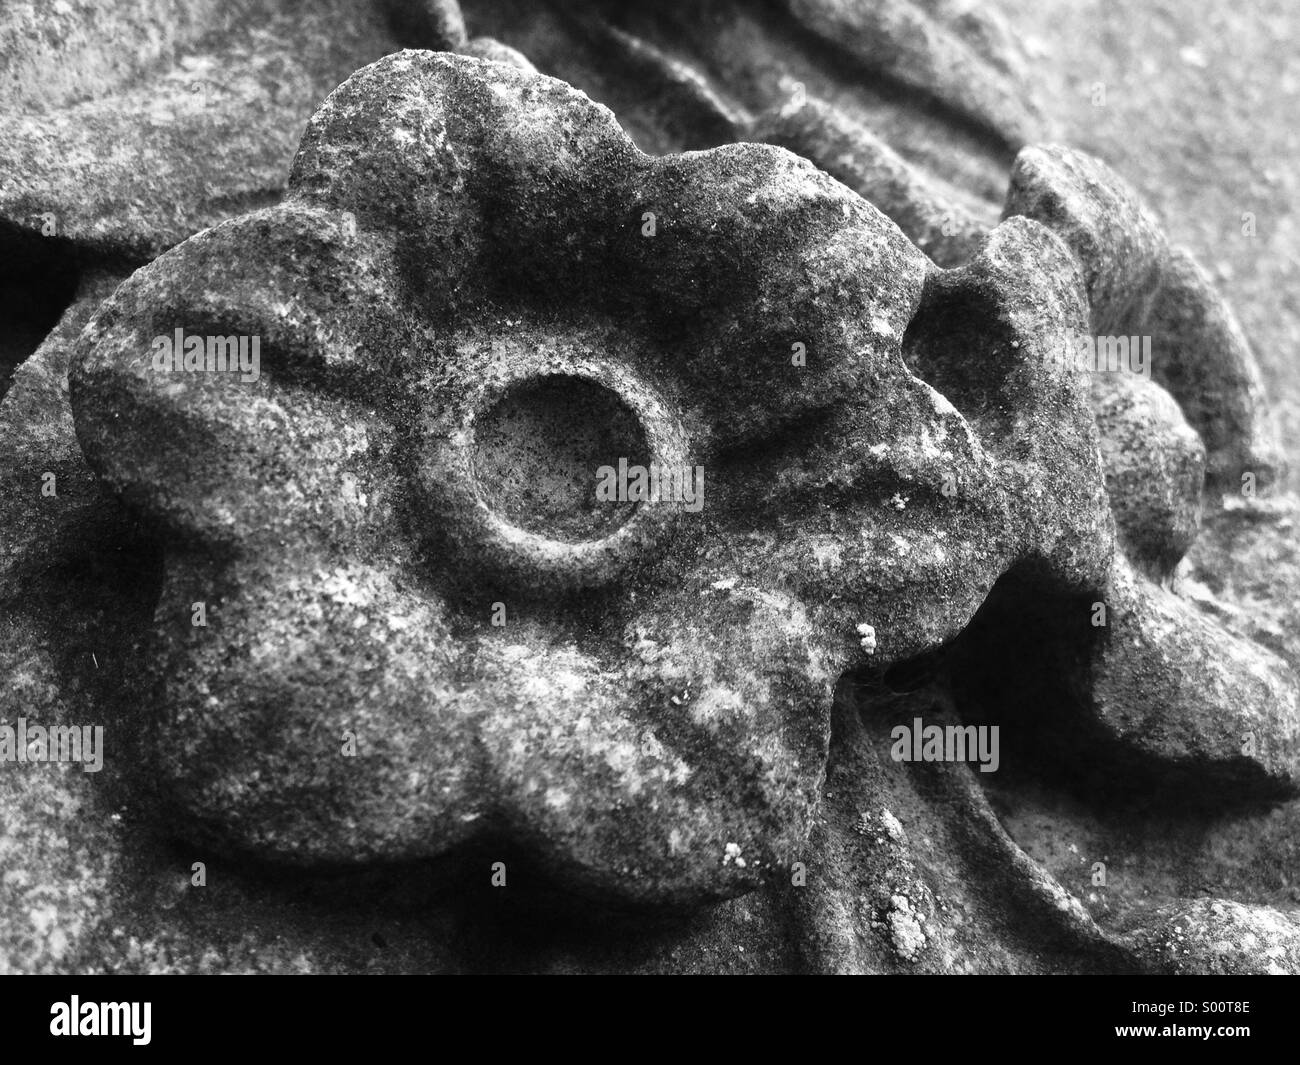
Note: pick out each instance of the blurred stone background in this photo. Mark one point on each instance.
(1200, 99)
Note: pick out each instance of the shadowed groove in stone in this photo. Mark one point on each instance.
(38, 279)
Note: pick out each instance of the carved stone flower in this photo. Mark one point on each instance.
(394, 614)
(462, 314)
(477, 293)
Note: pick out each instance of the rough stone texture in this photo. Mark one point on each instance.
(72, 578)
(1190, 114)
(1242, 574)
(72, 50)
(670, 747)
(1217, 937)
(918, 107)
(202, 104)
(1139, 287)
(1141, 428)
(395, 314)
(129, 126)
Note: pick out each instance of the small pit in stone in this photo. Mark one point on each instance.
(538, 451)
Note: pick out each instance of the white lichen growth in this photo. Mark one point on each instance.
(893, 826)
(903, 926)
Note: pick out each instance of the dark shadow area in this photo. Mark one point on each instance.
(957, 343)
(1024, 664)
(38, 280)
(391, 915)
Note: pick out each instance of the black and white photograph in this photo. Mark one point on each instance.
(650, 487)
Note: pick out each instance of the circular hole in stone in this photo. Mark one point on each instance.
(538, 451)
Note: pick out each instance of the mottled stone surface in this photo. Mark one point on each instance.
(896, 884)
(1217, 937)
(130, 126)
(1142, 429)
(1140, 287)
(918, 107)
(664, 740)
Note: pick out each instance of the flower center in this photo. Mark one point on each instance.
(538, 450)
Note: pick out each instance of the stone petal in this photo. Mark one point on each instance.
(693, 772)
(1155, 467)
(1139, 286)
(320, 714)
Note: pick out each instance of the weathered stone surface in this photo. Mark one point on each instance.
(67, 51)
(1244, 560)
(406, 291)
(1218, 937)
(72, 578)
(1117, 242)
(1155, 467)
(1139, 287)
(1177, 686)
(918, 107)
(688, 725)
(1211, 370)
(945, 226)
(914, 873)
(134, 125)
